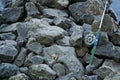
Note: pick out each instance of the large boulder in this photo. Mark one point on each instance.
(7, 70)
(67, 56)
(41, 72)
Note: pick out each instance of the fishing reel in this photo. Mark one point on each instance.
(89, 39)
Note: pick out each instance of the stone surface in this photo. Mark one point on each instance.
(33, 60)
(7, 14)
(93, 77)
(35, 47)
(32, 9)
(113, 76)
(64, 41)
(59, 69)
(24, 70)
(7, 70)
(7, 36)
(67, 56)
(41, 72)
(21, 57)
(21, 76)
(81, 52)
(7, 53)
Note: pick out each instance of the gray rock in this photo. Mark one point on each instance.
(35, 47)
(45, 2)
(21, 57)
(33, 60)
(88, 18)
(7, 53)
(7, 36)
(64, 41)
(4, 3)
(76, 36)
(79, 9)
(22, 31)
(41, 72)
(32, 9)
(9, 43)
(93, 77)
(97, 62)
(7, 14)
(7, 70)
(115, 38)
(17, 3)
(59, 69)
(49, 12)
(21, 76)
(67, 56)
(108, 25)
(63, 3)
(81, 52)
(47, 35)
(109, 50)
(69, 76)
(87, 27)
(24, 70)
(113, 76)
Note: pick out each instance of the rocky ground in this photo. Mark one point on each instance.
(44, 40)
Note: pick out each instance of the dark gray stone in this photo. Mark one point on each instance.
(7, 53)
(35, 47)
(7, 70)
(41, 72)
(24, 70)
(33, 60)
(81, 52)
(12, 14)
(93, 77)
(32, 9)
(7, 36)
(21, 57)
(67, 56)
(59, 69)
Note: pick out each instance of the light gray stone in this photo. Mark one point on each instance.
(7, 36)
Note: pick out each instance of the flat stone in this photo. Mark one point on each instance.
(7, 36)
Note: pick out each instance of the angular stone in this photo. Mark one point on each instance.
(31, 9)
(7, 36)
(88, 18)
(41, 72)
(7, 14)
(7, 53)
(35, 47)
(33, 60)
(81, 52)
(59, 69)
(63, 3)
(64, 41)
(9, 43)
(7, 70)
(24, 70)
(113, 76)
(79, 9)
(21, 76)
(21, 57)
(76, 36)
(67, 56)
(17, 3)
(93, 77)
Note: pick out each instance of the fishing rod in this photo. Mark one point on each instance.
(97, 36)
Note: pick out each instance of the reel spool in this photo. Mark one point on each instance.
(89, 39)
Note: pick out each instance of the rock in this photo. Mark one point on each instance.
(7, 14)
(67, 56)
(7, 70)
(81, 52)
(79, 9)
(45, 2)
(88, 19)
(64, 41)
(22, 31)
(17, 3)
(89, 69)
(113, 76)
(93, 77)
(87, 27)
(115, 38)
(47, 35)
(24, 70)
(33, 60)
(4, 3)
(103, 38)
(109, 50)
(21, 76)
(7, 36)
(97, 62)
(108, 25)
(59, 69)
(21, 57)
(9, 43)
(49, 12)
(76, 36)
(35, 47)
(32, 9)
(7, 53)
(41, 72)
(69, 76)
(63, 3)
